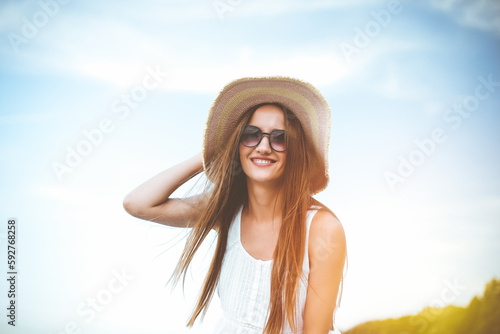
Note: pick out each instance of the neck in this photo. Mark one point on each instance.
(265, 204)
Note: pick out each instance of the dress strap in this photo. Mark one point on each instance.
(309, 217)
(233, 236)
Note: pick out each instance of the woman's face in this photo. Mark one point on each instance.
(261, 163)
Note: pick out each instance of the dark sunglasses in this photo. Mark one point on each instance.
(252, 137)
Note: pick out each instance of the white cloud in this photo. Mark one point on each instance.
(210, 76)
(318, 69)
(11, 13)
(112, 51)
(207, 9)
(96, 52)
(481, 14)
(280, 7)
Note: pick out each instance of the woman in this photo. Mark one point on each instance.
(280, 253)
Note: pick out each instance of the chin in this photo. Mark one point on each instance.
(262, 177)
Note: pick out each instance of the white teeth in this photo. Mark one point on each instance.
(262, 161)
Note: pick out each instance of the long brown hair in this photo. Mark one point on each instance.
(227, 193)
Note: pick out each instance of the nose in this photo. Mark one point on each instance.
(264, 145)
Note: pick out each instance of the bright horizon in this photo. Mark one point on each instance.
(96, 98)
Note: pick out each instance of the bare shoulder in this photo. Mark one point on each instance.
(326, 234)
(326, 222)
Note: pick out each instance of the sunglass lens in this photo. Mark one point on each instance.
(278, 140)
(251, 136)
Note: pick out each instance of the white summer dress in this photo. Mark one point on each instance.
(245, 284)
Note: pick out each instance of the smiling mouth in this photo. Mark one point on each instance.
(263, 161)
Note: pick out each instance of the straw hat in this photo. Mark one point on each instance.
(300, 97)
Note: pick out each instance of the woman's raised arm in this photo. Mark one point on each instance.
(150, 200)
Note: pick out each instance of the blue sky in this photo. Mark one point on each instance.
(72, 74)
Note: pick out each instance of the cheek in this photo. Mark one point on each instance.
(283, 160)
(242, 152)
